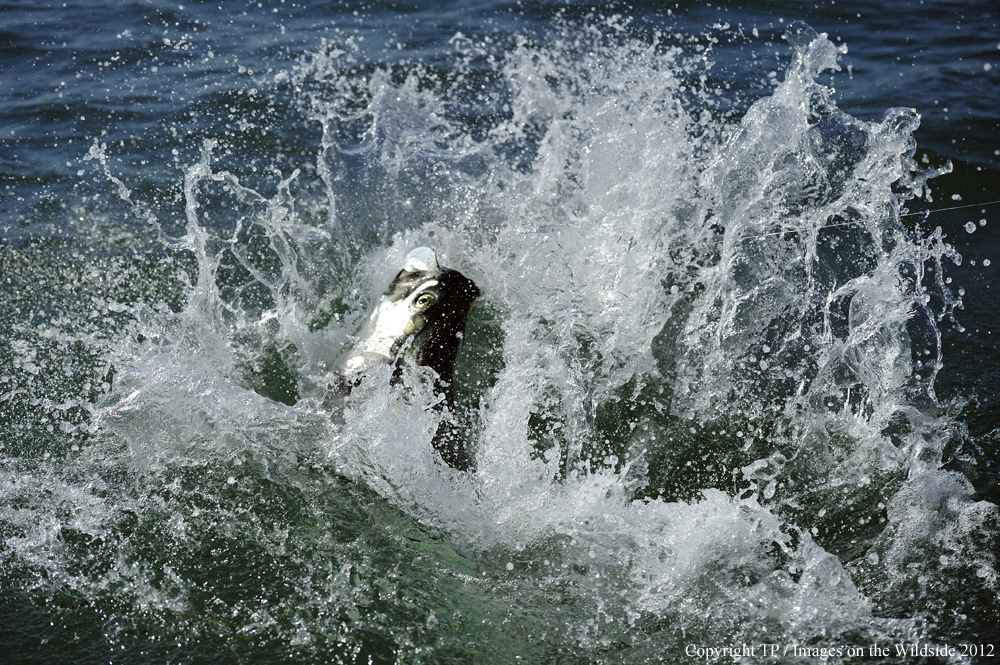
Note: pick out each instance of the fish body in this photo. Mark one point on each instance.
(420, 320)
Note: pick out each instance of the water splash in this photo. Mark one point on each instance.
(700, 386)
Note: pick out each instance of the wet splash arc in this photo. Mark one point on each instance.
(699, 394)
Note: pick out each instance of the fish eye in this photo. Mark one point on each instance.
(424, 300)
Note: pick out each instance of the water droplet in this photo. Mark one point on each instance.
(872, 558)
(231, 480)
(970, 227)
(509, 566)
(986, 262)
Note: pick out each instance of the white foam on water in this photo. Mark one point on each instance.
(625, 239)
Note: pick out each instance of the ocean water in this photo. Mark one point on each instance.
(732, 387)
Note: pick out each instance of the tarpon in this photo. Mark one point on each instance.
(420, 320)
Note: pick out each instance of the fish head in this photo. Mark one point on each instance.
(424, 309)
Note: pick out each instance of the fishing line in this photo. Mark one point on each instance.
(970, 205)
(925, 213)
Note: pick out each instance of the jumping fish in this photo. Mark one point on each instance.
(420, 320)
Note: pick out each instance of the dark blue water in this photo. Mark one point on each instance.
(733, 379)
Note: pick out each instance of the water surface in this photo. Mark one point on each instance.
(732, 379)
